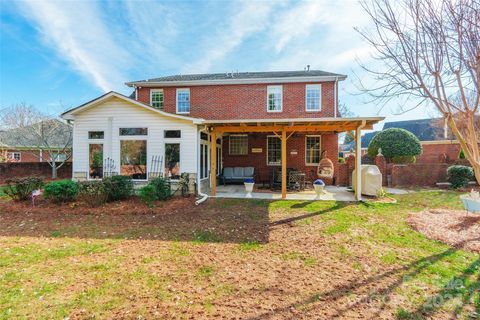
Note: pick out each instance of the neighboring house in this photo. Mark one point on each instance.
(205, 122)
(26, 145)
(437, 140)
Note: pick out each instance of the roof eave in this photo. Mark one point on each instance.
(146, 83)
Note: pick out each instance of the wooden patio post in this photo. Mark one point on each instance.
(358, 163)
(213, 163)
(284, 163)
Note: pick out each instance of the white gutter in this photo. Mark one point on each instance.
(203, 196)
(146, 83)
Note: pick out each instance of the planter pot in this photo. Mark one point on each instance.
(319, 189)
(249, 188)
(471, 205)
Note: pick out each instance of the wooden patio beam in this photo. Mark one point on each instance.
(213, 163)
(330, 128)
(284, 164)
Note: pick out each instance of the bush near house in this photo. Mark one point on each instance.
(93, 192)
(118, 187)
(459, 176)
(397, 145)
(20, 189)
(61, 191)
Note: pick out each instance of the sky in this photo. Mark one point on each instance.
(57, 55)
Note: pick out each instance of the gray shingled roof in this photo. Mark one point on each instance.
(55, 133)
(244, 75)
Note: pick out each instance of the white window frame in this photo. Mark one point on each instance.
(274, 163)
(11, 155)
(314, 136)
(171, 141)
(281, 97)
(319, 86)
(189, 100)
(230, 144)
(96, 141)
(205, 145)
(142, 137)
(152, 91)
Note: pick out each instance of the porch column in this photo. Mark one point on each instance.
(213, 163)
(284, 163)
(358, 163)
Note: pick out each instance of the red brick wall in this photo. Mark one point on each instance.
(435, 153)
(296, 161)
(418, 174)
(24, 169)
(246, 101)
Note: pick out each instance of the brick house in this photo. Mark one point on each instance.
(26, 144)
(203, 123)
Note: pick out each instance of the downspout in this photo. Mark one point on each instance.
(335, 97)
(203, 196)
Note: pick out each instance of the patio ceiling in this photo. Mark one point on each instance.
(284, 128)
(289, 125)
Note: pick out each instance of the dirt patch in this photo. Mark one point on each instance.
(454, 227)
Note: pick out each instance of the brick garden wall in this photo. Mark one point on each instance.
(245, 101)
(23, 169)
(295, 155)
(420, 175)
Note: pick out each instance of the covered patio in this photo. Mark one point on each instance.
(284, 129)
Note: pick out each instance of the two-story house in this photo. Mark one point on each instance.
(202, 123)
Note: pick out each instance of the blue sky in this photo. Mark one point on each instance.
(57, 55)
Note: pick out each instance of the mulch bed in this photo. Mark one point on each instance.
(454, 227)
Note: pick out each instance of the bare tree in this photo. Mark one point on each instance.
(45, 137)
(428, 51)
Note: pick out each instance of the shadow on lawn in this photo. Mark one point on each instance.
(376, 291)
(215, 221)
(221, 220)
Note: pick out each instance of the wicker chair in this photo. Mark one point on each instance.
(325, 168)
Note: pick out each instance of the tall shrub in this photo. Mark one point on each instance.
(118, 187)
(395, 143)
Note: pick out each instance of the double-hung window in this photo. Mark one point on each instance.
(156, 98)
(274, 151)
(238, 145)
(312, 150)
(274, 98)
(313, 97)
(183, 100)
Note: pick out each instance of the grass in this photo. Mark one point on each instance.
(315, 258)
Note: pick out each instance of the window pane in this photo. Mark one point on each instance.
(274, 147)
(274, 96)
(133, 131)
(133, 158)
(238, 144)
(312, 150)
(172, 160)
(95, 156)
(313, 98)
(183, 100)
(95, 134)
(202, 174)
(157, 99)
(205, 161)
(172, 133)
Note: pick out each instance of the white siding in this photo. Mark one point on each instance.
(123, 114)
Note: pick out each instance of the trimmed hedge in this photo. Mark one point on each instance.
(459, 176)
(61, 191)
(395, 142)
